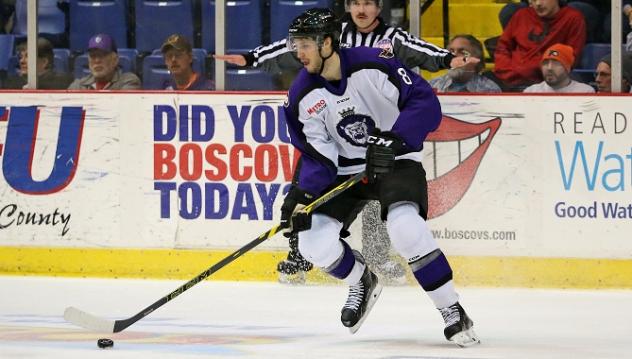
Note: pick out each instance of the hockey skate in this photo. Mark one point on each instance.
(458, 326)
(292, 270)
(362, 297)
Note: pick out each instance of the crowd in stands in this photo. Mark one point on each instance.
(543, 48)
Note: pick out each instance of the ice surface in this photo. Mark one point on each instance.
(269, 320)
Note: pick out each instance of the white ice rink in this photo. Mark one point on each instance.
(267, 320)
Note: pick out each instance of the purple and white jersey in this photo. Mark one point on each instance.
(329, 123)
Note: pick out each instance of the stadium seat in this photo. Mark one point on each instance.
(81, 64)
(51, 19)
(128, 55)
(13, 65)
(243, 25)
(157, 19)
(282, 12)
(61, 60)
(155, 73)
(6, 50)
(90, 17)
(591, 54)
(239, 79)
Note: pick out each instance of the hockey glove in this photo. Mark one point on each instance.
(380, 154)
(293, 218)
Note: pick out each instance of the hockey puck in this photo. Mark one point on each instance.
(105, 343)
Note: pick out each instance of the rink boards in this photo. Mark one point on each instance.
(523, 190)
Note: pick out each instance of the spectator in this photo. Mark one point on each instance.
(597, 15)
(461, 79)
(531, 31)
(556, 66)
(178, 54)
(603, 73)
(104, 71)
(47, 78)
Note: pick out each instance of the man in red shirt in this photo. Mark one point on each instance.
(529, 33)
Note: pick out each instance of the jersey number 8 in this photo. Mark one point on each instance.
(404, 76)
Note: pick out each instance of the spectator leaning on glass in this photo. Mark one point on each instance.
(105, 73)
(47, 78)
(178, 54)
(556, 66)
(462, 79)
(529, 33)
(603, 73)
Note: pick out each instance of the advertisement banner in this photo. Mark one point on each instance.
(507, 175)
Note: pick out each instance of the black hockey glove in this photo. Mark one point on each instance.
(293, 219)
(380, 154)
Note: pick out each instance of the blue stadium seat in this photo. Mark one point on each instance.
(199, 59)
(90, 17)
(282, 12)
(128, 56)
(81, 64)
(51, 20)
(6, 50)
(156, 75)
(240, 79)
(61, 60)
(157, 19)
(13, 65)
(591, 54)
(243, 25)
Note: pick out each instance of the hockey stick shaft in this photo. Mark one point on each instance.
(89, 321)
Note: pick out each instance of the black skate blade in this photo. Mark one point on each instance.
(374, 295)
(465, 338)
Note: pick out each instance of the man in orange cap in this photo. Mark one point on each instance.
(556, 66)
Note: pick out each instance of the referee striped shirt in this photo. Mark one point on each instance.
(410, 50)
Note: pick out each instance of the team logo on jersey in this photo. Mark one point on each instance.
(385, 44)
(345, 45)
(387, 48)
(355, 128)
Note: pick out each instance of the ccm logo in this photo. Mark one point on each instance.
(379, 141)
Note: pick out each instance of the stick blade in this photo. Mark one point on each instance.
(88, 321)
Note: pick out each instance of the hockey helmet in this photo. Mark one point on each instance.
(315, 23)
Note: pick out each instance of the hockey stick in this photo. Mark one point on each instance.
(102, 325)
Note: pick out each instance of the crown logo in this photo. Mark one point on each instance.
(347, 112)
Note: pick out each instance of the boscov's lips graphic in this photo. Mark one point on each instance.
(452, 155)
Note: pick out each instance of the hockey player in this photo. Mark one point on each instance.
(373, 115)
(362, 26)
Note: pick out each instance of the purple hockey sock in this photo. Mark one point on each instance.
(343, 266)
(432, 270)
